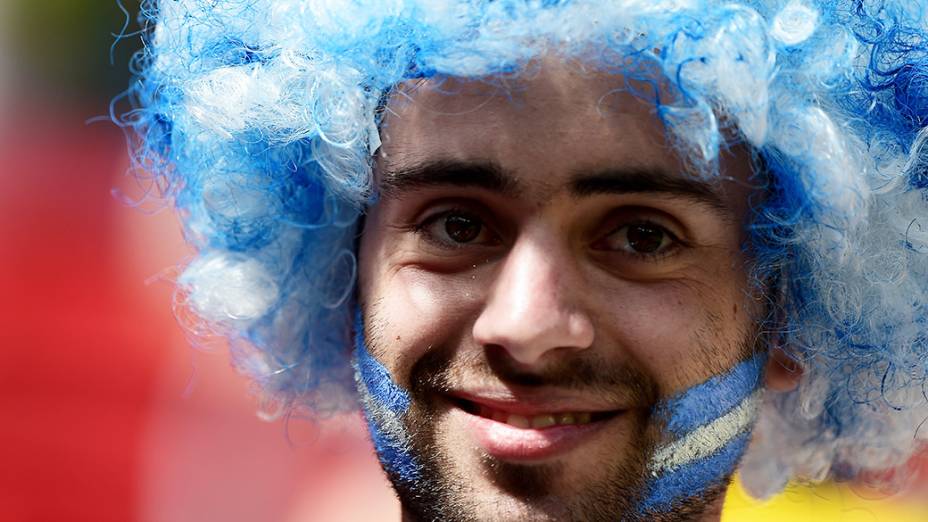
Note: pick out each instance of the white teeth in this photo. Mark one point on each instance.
(543, 421)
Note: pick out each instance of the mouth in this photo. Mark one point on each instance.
(539, 421)
(523, 432)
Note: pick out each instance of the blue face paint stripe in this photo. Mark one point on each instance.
(694, 477)
(389, 438)
(384, 405)
(394, 457)
(707, 439)
(713, 398)
(376, 377)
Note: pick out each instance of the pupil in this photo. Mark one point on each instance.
(645, 238)
(462, 229)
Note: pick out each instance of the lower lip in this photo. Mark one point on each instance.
(507, 442)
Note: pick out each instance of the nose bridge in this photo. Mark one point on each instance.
(531, 308)
(531, 279)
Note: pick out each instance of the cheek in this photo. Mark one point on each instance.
(417, 310)
(655, 322)
(672, 328)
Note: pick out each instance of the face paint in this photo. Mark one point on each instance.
(384, 404)
(710, 427)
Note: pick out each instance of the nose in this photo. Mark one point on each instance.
(529, 309)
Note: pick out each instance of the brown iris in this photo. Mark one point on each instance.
(462, 229)
(645, 238)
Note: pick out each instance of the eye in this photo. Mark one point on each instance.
(462, 229)
(456, 228)
(643, 238)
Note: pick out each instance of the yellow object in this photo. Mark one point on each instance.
(822, 503)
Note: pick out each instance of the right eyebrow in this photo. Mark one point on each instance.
(480, 174)
(648, 180)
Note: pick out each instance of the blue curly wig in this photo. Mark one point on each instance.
(259, 119)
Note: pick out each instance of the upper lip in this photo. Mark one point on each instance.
(535, 402)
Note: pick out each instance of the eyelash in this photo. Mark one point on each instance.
(675, 243)
(421, 229)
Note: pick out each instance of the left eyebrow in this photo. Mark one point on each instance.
(486, 175)
(648, 181)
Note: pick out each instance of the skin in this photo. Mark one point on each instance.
(551, 297)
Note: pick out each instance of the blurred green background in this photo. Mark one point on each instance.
(63, 48)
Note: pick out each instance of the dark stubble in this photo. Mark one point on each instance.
(534, 492)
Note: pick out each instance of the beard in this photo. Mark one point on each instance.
(443, 491)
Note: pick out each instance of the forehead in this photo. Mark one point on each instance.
(542, 126)
(554, 118)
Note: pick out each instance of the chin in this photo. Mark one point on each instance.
(599, 479)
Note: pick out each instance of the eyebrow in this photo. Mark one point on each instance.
(648, 180)
(492, 177)
(478, 174)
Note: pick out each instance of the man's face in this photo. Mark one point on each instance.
(538, 273)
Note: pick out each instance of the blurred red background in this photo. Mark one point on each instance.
(106, 413)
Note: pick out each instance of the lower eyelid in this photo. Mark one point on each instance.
(422, 230)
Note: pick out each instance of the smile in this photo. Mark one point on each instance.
(540, 421)
(524, 432)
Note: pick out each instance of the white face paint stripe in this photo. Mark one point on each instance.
(706, 440)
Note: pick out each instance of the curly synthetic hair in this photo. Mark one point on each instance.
(259, 119)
